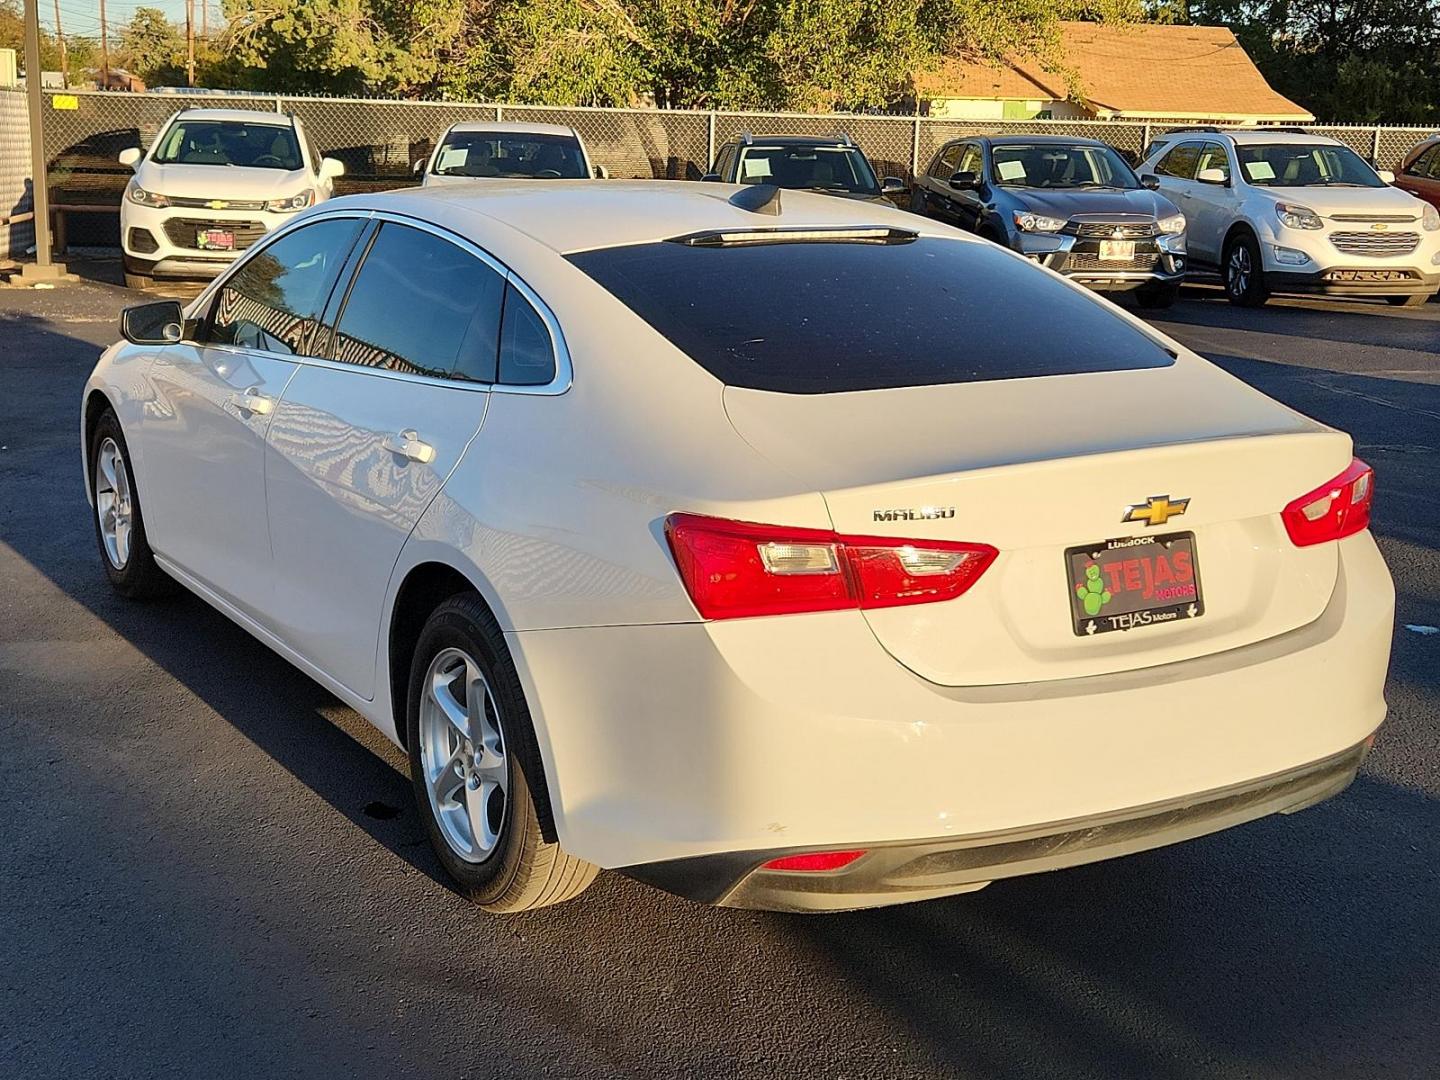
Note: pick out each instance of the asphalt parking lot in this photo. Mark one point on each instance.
(211, 868)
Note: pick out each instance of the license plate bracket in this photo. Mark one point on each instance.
(1131, 582)
(1117, 250)
(215, 239)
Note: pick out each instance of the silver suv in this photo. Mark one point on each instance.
(1286, 211)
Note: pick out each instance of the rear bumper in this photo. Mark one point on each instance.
(665, 743)
(923, 870)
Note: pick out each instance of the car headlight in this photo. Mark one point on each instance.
(292, 202)
(139, 195)
(1430, 219)
(1171, 225)
(1025, 221)
(1298, 217)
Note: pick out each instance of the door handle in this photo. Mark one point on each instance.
(408, 445)
(253, 402)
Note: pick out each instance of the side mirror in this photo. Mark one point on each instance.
(965, 181)
(1385, 175)
(131, 156)
(1151, 181)
(1213, 176)
(331, 167)
(602, 173)
(153, 324)
(711, 177)
(418, 167)
(893, 185)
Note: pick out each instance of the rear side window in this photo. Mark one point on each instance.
(811, 318)
(527, 356)
(273, 301)
(1180, 162)
(423, 306)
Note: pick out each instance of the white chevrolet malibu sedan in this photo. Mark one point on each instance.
(777, 550)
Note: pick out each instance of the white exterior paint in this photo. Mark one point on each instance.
(663, 735)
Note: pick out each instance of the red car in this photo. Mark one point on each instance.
(1419, 174)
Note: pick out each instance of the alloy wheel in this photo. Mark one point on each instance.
(113, 505)
(1238, 270)
(462, 752)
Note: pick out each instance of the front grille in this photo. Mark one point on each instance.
(1368, 218)
(182, 231)
(1376, 244)
(1087, 262)
(1372, 275)
(218, 204)
(1112, 230)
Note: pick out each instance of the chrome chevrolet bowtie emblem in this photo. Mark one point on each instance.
(1118, 234)
(1156, 510)
(216, 204)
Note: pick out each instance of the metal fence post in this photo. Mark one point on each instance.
(279, 104)
(1375, 146)
(710, 139)
(1145, 139)
(915, 148)
(499, 113)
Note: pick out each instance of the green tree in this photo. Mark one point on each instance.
(152, 47)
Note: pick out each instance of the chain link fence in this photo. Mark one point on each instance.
(380, 141)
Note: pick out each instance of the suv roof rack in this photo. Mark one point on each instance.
(1210, 129)
(843, 138)
(747, 138)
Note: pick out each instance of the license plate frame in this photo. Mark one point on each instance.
(215, 239)
(1117, 250)
(1128, 568)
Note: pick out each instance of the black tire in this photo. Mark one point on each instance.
(138, 281)
(1157, 297)
(521, 870)
(136, 575)
(1244, 284)
(1418, 300)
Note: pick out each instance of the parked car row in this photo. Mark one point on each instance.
(1268, 210)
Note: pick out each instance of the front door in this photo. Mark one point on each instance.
(362, 443)
(1211, 206)
(214, 402)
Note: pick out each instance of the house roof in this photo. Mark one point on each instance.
(1140, 71)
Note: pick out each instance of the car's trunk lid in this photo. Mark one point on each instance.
(1038, 466)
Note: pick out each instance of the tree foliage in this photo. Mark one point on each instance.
(152, 47)
(1355, 61)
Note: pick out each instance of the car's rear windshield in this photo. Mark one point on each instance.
(229, 142)
(813, 318)
(510, 156)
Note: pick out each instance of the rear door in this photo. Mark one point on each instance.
(214, 402)
(363, 442)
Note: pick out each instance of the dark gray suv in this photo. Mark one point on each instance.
(832, 165)
(1073, 205)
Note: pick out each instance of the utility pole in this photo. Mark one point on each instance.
(104, 50)
(44, 268)
(64, 60)
(189, 42)
(204, 20)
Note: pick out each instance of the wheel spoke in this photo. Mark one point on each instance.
(448, 779)
(477, 806)
(443, 694)
(107, 467)
(122, 541)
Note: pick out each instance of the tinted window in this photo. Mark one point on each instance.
(1421, 165)
(723, 163)
(229, 142)
(1054, 165)
(822, 168)
(273, 301)
(1180, 162)
(527, 357)
(947, 162)
(827, 317)
(971, 159)
(1302, 165)
(506, 155)
(1213, 156)
(422, 305)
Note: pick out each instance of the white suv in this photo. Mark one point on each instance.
(212, 184)
(1285, 211)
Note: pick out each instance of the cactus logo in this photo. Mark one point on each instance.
(1092, 591)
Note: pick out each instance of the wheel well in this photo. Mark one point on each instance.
(1240, 228)
(96, 405)
(425, 588)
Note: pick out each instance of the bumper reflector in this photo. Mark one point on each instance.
(814, 862)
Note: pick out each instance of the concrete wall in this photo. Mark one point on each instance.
(14, 173)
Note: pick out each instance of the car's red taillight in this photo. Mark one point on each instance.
(813, 862)
(1333, 510)
(734, 569)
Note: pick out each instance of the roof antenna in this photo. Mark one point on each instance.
(758, 199)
